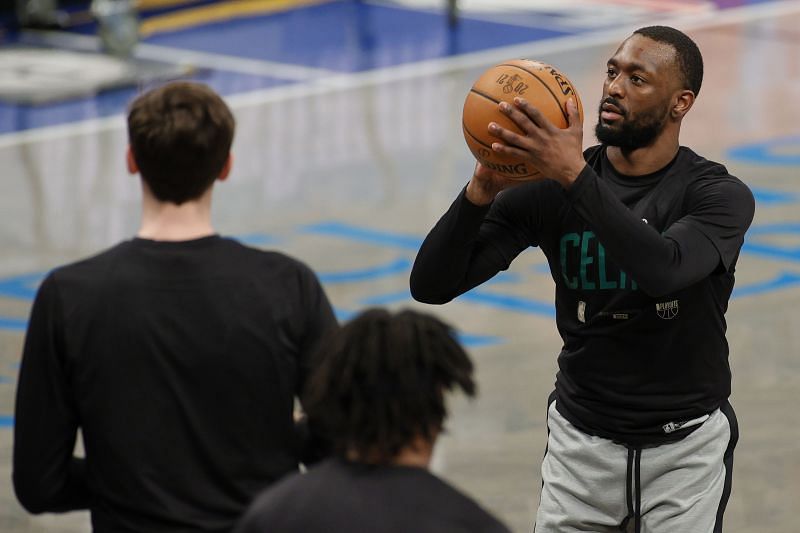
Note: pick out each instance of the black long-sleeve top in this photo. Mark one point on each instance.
(179, 362)
(643, 267)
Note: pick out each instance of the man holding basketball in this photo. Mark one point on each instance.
(642, 236)
(178, 353)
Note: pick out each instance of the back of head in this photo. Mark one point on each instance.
(379, 383)
(687, 54)
(180, 136)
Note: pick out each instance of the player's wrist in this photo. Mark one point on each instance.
(478, 194)
(570, 175)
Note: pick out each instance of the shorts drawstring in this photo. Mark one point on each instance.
(633, 489)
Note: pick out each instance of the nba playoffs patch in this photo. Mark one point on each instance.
(667, 310)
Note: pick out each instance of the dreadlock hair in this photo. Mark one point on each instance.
(688, 55)
(378, 383)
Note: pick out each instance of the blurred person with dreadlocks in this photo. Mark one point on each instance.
(378, 392)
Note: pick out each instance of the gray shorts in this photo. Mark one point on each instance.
(594, 484)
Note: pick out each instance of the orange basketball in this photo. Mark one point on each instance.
(542, 85)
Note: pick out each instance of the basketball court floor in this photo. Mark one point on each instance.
(348, 149)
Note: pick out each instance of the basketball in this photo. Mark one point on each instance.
(542, 85)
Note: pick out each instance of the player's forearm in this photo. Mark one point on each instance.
(659, 263)
(449, 261)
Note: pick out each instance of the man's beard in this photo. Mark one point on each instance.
(630, 134)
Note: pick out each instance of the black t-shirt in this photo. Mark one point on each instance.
(349, 497)
(179, 361)
(643, 268)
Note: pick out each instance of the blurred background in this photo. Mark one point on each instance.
(348, 149)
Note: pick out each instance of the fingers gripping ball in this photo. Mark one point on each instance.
(540, 84)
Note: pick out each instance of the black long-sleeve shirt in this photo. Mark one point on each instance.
(643, 267)
(179, 362)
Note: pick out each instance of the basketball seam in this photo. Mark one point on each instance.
(488, 146)
(479, 93)
(566, 117)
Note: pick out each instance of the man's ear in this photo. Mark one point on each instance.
(133, 168)
(226, 169)
(683, 103)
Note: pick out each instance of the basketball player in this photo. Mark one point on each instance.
(378, 391)
(177, 353)
(642, 237)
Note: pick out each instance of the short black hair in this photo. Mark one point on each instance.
(379, 382)
(180, 136)
(690, 60)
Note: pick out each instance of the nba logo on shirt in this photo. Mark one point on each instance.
(667, 310)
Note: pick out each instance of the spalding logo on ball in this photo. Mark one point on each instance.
(542, 85)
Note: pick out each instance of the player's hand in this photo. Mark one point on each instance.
(486, 184)
(556, 152)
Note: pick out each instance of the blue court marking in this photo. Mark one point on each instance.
(14, 324)
(476, 341)
(770, 197)
(6, 379)
(783, 280)
(510, 303)
(343, 315)
(504, 278)
(24, 117)
(542, 268)
(258, 239)
(344, 36)
(392, 268)
(366, 235)
(467, 339)
(387, 298)
(498, 301)
(115, 101)
(350, 36)
(774, 228)
(783, 151)
(22, 287)
(6, 421)
(773, 251)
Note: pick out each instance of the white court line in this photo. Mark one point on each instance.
(349, 81)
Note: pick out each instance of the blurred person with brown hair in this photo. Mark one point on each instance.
(178, 353)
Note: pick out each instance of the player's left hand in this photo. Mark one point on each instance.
(556, 152)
